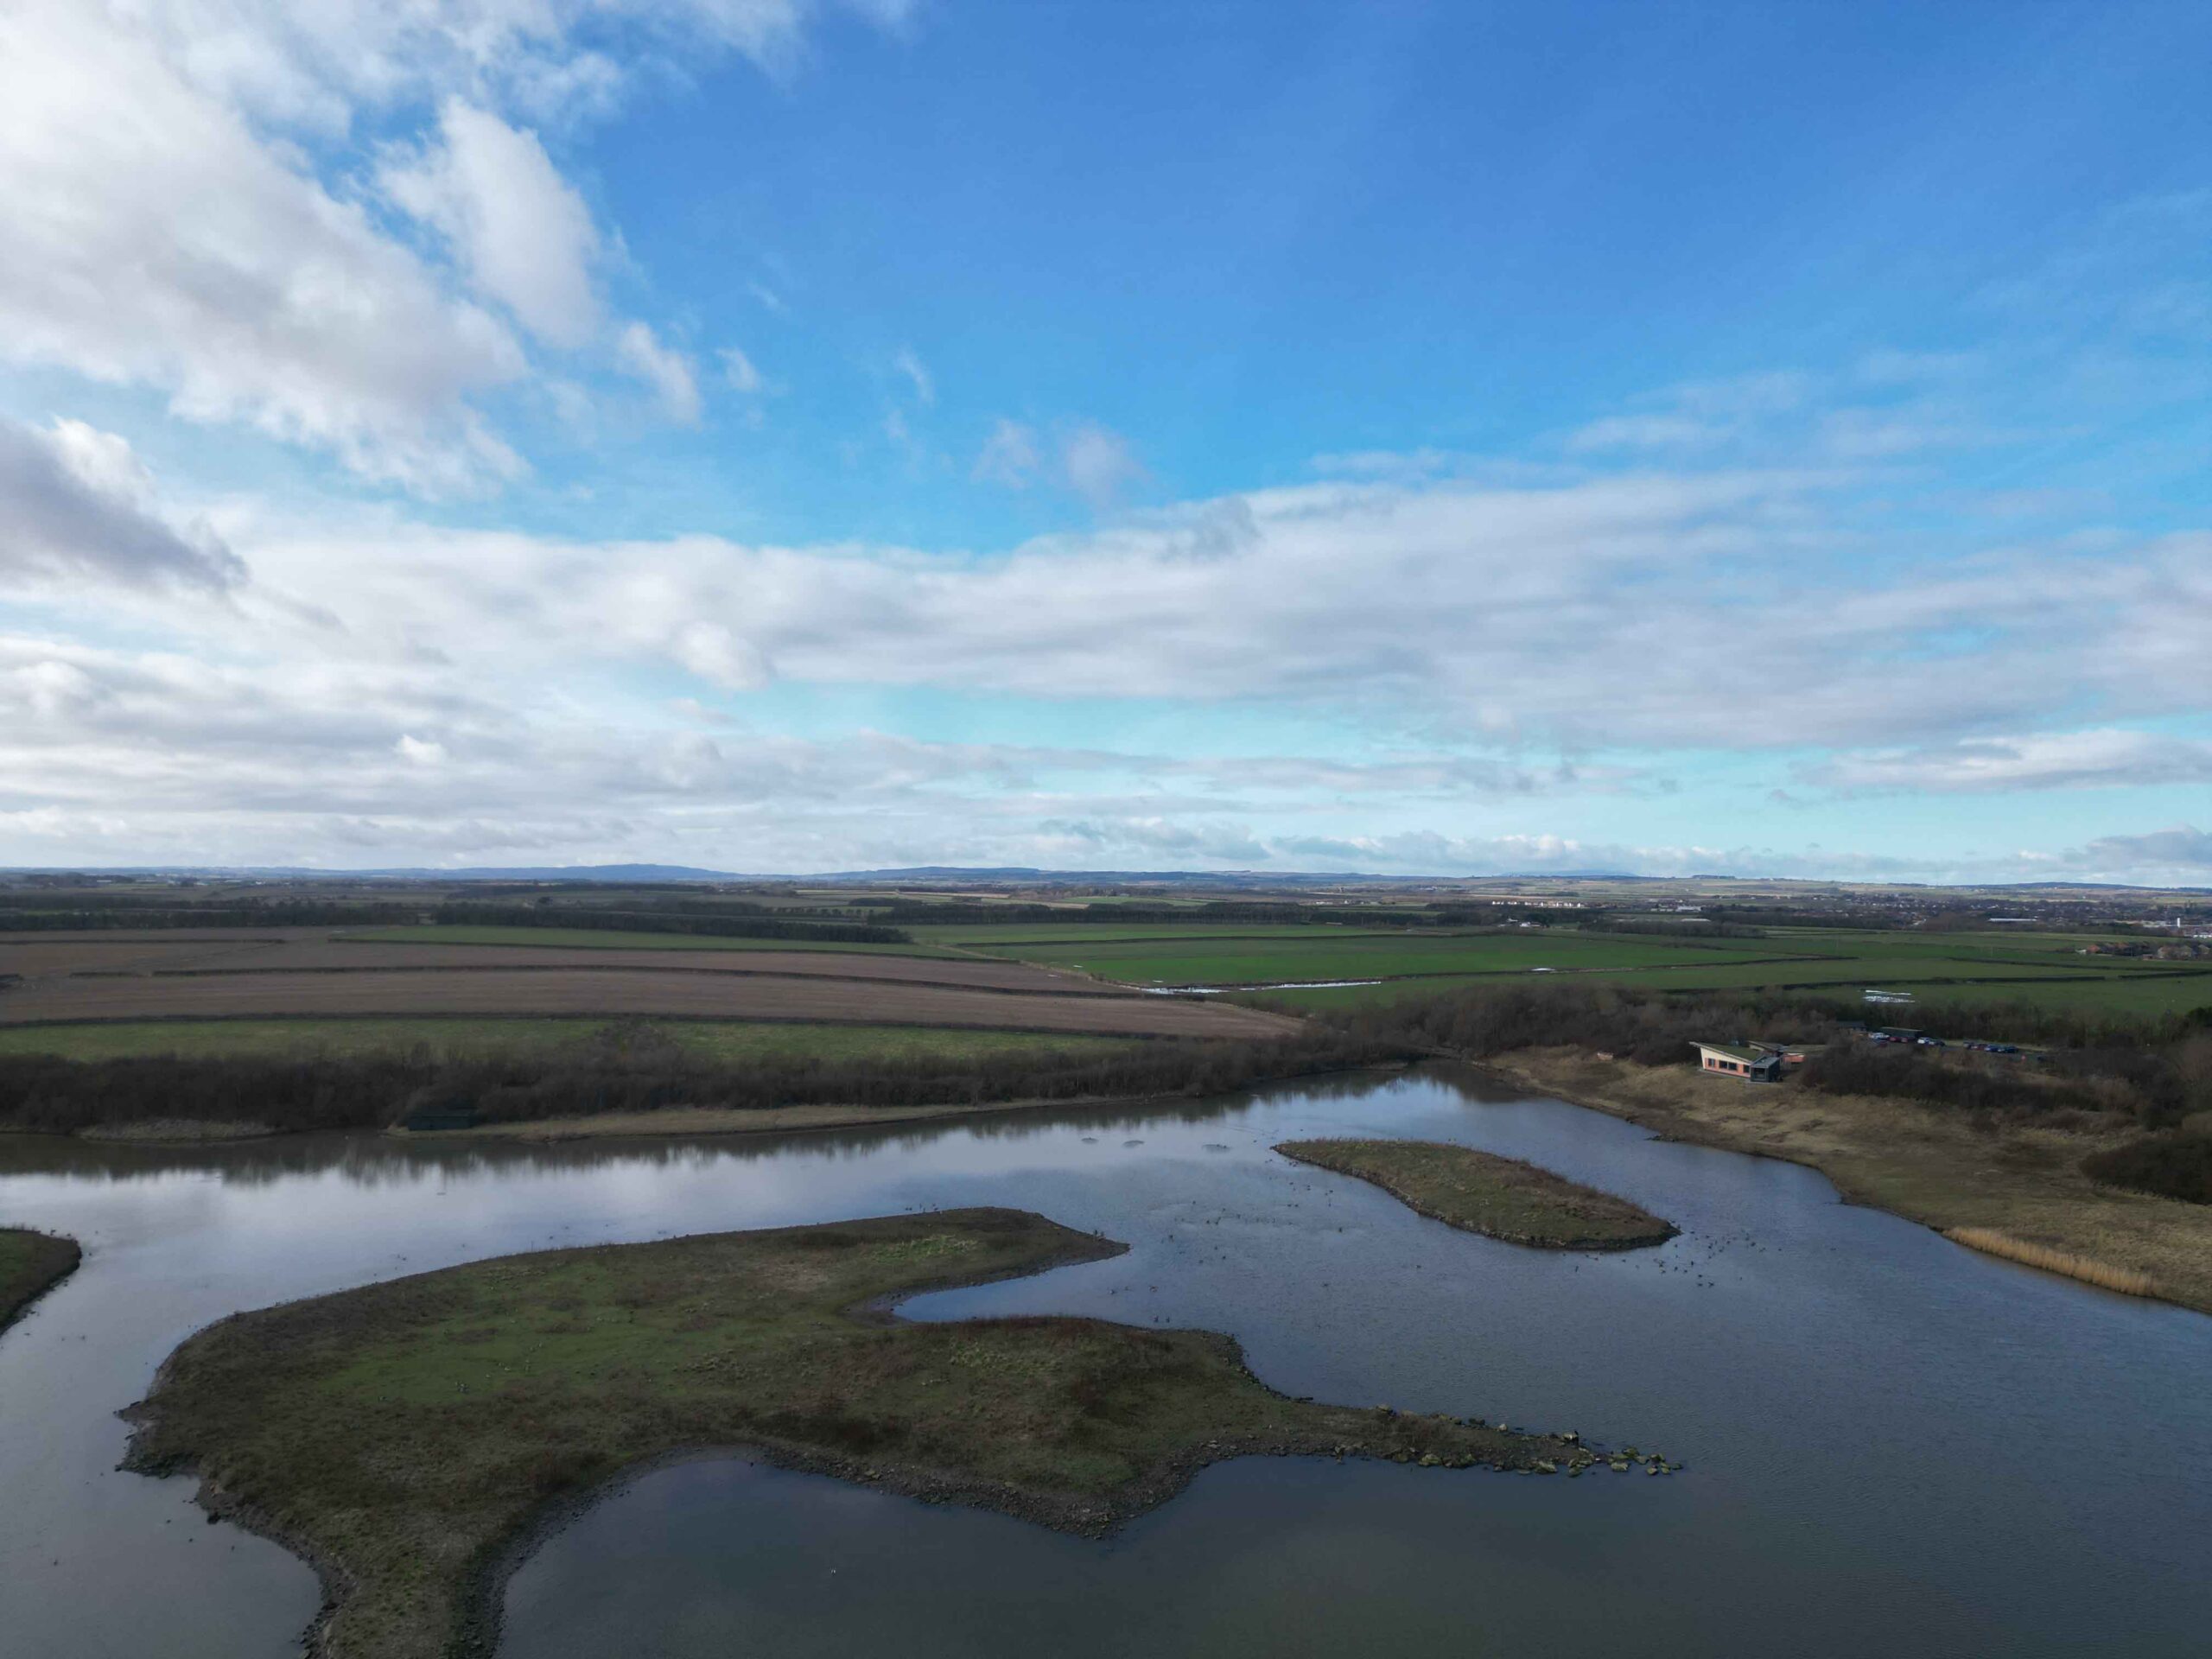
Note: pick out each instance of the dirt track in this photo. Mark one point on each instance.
(584, 990)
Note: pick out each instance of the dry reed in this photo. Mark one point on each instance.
(2125, 1280)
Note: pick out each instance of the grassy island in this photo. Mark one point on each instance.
(409, 1438)
(30, 1265)
(1482, 1192)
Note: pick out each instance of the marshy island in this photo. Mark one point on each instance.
(411, 1437)
(1483, 1193)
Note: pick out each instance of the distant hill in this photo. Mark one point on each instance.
(1016, 875)
(619, 873)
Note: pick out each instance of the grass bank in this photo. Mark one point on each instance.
(2104, 1275)
(30, 1265)
(1482, 1192)
(2021, 1179)
(407, 1437)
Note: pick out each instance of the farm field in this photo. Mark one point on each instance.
(2015, 947)
(1881, 971)
(1047, 934)
(587, 938)
(35, 956)
(1975, 967)
(2122, 993)
(1290, 955)
(344, 955)
(720, 1041)
(583, 989)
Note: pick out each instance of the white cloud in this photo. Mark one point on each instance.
(522, 233)
(674, 380)
(2104, 758)
(906, 361)
(2182, 851)
(1578, 618)
(1653, 431)
(313, 62)
(714, 654)
(1890, 407)
(153, 239)
(740, 372)
(1098, 464)
(77, 503)
(1009, 456)
(162, 226)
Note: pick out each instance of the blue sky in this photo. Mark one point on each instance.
(783, 435)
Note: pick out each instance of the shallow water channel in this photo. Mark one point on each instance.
(1892, 1445)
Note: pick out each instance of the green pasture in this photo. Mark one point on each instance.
(1020, 938)
(1933, 983)
(1291, 955)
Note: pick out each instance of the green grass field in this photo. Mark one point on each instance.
(586, 938)
(1991, 966)
(1293, 956)
(1017, 939)
(723, 1041)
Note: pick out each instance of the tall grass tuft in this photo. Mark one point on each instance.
(2126, 1280)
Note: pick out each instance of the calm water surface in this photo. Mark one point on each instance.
(1894, 1445)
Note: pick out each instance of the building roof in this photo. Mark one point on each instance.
(1734, 1051)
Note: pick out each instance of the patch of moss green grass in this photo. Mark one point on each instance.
(30, 1265)
(1482, 1192)
(409, 1438)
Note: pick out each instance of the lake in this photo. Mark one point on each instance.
(1892, 1444)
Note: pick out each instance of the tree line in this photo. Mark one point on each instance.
(632, 1068)
(756, 923)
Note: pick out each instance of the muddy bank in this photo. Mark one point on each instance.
(1921, 1163)
(30, 1265)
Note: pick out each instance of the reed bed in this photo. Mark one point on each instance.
(2125, 1280)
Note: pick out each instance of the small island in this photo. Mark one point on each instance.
(30, 1265)
(1482, 1192)
(411, 1437)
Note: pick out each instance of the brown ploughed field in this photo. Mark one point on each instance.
(318, 956)
(36, 955)
(596, 990)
